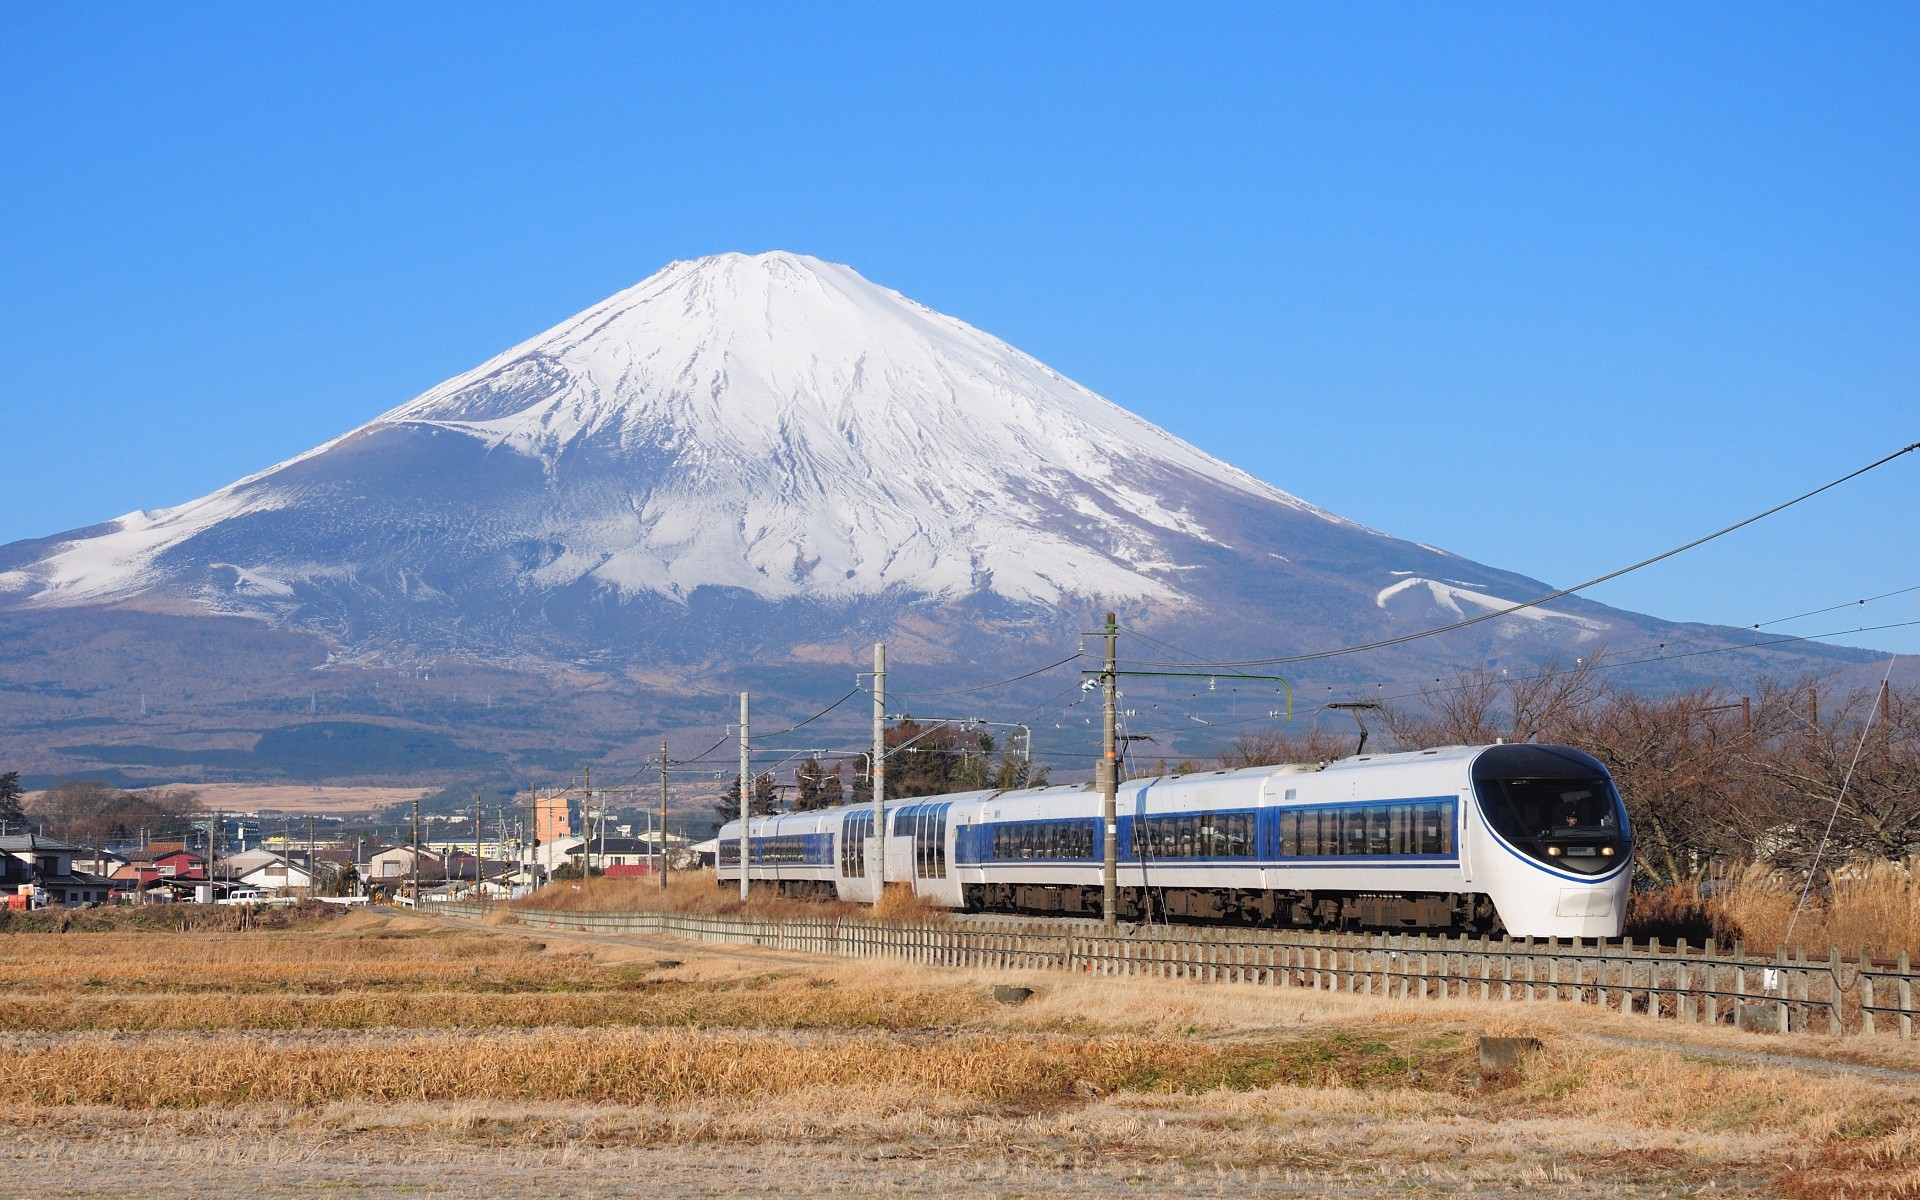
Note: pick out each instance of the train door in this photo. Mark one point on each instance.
(856, 852)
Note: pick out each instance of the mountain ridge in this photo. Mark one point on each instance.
(743, 468)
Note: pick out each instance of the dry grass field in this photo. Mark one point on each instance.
(422, 1057)
(695, 892)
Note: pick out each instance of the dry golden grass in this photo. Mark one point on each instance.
(388, 1035)
(1871, 908)
(619, 1067)
(696, 893)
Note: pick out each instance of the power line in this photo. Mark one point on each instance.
(815, 717)
(1566, 591)
(986, 687)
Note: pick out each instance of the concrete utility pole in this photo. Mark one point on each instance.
(312, 879)
(746, 795)
(877, 843)
(586, 825)
(533, 831)
(478, 825)
(1110, 777)
(663, 815)
(416, 853)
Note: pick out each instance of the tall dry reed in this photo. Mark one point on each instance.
(1868, 908)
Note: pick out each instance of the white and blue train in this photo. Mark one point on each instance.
(1528, 839)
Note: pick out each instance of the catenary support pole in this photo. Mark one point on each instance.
(479, 824)
(416, 852)
(746, 796)
(1110, 779)
(663, 815)
(877, 841)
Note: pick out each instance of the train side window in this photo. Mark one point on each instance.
(1446, 827)
(1379, 830)
(1353, 823)
(1429, 829)
(1405, 840)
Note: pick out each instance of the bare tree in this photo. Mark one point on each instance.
(84, 810)
(1800, 765)
(1672, 757)
(1483, 706)
(1276, 746)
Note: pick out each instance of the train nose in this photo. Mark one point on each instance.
(1585, 902)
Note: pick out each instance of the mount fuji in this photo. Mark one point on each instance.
(741, 467)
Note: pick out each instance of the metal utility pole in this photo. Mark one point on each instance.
(1110, 778)
(877, 841)
(663, 815)
(746, 794)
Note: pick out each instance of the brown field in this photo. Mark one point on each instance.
(427, 1057)
(320, 800)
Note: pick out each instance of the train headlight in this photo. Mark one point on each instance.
(1606, 851)
(1554, 852)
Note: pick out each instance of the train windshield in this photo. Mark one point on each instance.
(1554, 804)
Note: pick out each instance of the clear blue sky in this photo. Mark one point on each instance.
(1551, 287)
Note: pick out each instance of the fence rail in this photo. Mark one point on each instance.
(1705, 984)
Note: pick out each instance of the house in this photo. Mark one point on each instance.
(177, 864)
(267, 871)
(550, 856)
(619, 856)
(390, 868)
(49, 872)
(99, 861)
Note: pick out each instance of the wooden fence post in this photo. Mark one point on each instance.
(1835, 1026)
(1906, 997)
(1784, 1014)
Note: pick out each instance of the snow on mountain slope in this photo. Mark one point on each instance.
(771, 423)
(1455, 601)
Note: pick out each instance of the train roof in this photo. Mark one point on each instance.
(1357, 762)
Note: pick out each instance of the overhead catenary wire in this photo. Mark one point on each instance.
(1493, 614)
(987, 687)
(1840, 797)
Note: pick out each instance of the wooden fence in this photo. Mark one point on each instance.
(1679, 982)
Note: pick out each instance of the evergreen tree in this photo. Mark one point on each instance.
(728, 806)
(817, 787)
(10, 791)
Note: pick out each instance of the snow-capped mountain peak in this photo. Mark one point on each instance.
(771, 423)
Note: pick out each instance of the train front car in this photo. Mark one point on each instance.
(1551, 846)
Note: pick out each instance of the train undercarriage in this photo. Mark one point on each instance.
(1466, 912)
